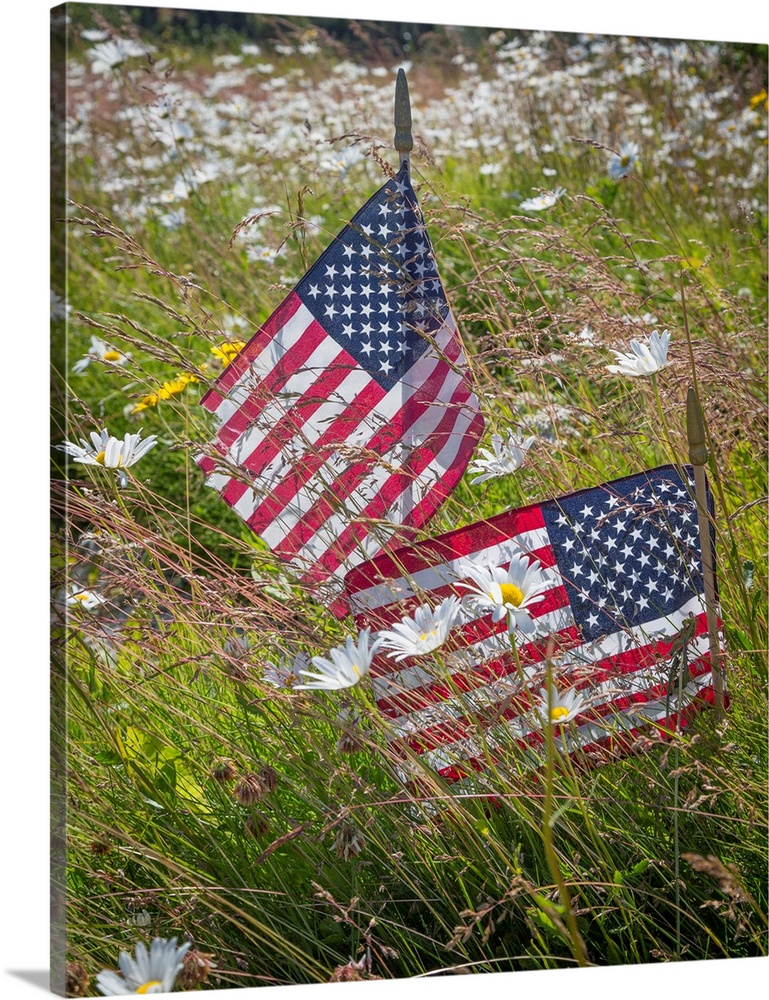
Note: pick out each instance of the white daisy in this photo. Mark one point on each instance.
(646, 359)
(423, 633)
(542, 201)
(87, 599)
(146, 972)
(348, 664)
(507, 457)
(110, 451)
(565, 706)
(99, 351)
(506, 591)
(621, 163)
(285, 675)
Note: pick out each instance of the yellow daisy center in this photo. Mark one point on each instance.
(146, 987)
(429, 635)
(81, 597)
(100, 459)
(511, 594)
(112, 356)
(558, 713)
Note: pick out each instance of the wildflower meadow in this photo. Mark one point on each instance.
(237, 805)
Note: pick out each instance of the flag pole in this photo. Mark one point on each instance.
(698, 456)
(403, 141)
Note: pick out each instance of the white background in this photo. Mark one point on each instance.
(24, 434)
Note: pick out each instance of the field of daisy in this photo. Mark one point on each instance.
(226, 819)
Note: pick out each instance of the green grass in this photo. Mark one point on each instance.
(340, 860)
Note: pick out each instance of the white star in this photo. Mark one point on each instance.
(348, 330)
(330, 310)
(385, 366)
(331, 271)
(330, 291)
(384, 210)
(642, 603)
(367, 348)
(347, 290)
(592, 619)
(314, 291)
(365, 290)
(348, 271)
(586, 511)
(611, 543)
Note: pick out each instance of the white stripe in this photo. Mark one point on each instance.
(617, 722)
(479, 699)
(412, 678)
(270, 476)
(424, 580)
(264, 363)
(329, 531)
(285, 400)
(607, 647)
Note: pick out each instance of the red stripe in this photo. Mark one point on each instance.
(605, 670)
(345, 484)
(215, 396)
(337, 433)
(605, 750)
(291, 363)
(462, 543)
(407, 701)
(388, 493)
(600, 670)
(434, 740)
(264, 392)
(428, 506)
(287, 428)
(386, 615)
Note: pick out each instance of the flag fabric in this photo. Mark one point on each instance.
(351, 411)
(621, 621)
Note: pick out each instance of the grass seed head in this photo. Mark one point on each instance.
(249, 790)
(195, 970)
(77, 980)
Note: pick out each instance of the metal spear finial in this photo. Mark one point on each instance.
(404, 141)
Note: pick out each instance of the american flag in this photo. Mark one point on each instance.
(351, 410)
(624, 589)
